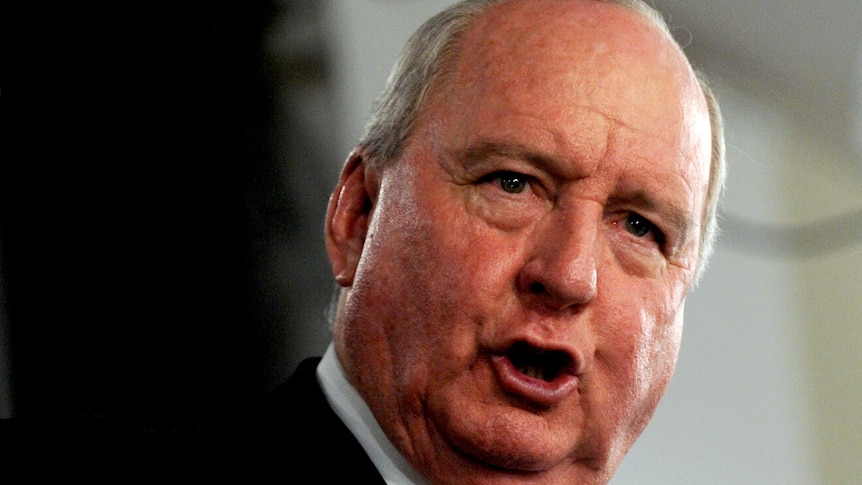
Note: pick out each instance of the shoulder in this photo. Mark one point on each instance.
(295, 427)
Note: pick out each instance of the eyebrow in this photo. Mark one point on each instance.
(485, 149)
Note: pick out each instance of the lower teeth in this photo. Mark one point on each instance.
(534, 372)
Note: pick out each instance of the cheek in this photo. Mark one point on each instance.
(455, 274)
(656, 357)
(639, 355)
(416, 266)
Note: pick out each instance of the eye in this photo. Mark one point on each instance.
(640, 226)
(511, 182)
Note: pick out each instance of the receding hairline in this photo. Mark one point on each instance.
(450, 27)
(453, 57)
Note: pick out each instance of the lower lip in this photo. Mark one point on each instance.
(536, 390)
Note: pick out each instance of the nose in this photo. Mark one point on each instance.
(560, 272)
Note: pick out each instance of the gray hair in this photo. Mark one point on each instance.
(429, 57)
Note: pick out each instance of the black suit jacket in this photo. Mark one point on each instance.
(293, 436)
(295, 429)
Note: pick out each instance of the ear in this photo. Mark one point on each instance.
(348, 216)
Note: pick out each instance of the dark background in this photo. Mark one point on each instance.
(145, 161)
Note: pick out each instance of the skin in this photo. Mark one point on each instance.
(550, 197)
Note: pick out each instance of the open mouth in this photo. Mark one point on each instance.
(537, 363)
(539, 376)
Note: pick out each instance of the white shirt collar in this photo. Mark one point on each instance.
(354, 412)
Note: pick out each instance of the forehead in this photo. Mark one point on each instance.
(572, 74)
(595, 52)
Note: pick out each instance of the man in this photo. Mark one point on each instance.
(514, 239)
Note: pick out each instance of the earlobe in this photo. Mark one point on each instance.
(348, 216)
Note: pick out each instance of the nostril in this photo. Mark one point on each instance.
(537, 289)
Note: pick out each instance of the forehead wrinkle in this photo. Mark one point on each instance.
(618, 127)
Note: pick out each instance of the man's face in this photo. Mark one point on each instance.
(515, 283)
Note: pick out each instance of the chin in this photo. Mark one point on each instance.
(502, 444)
(506, 440)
